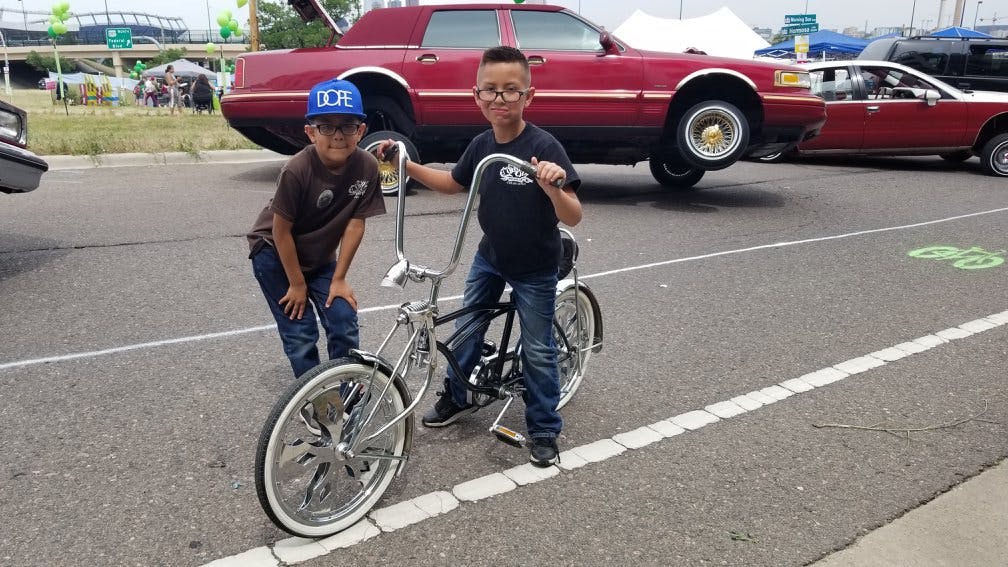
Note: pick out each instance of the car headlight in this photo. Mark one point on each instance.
(10, 127)
(792, 79)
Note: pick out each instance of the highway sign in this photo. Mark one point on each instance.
(800, 30)
(119, 38)
(800, 19)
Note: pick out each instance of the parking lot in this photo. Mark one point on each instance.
(139, 363)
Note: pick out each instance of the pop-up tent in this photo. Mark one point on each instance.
(721, 33)
(183, 68)
(955, 31)
(824, 41)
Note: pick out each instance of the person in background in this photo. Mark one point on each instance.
(172, 84)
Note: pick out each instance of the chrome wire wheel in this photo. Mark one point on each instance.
(573, 347)
(995, 155)
(714, 132)
(306, 484)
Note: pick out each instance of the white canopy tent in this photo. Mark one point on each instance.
(721, 33)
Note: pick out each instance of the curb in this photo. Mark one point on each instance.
(57, 163)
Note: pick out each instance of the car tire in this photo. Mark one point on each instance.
(994, 157)
(956, 157)
(388, 171)
(772, 158)
(673, 173)
(713, 135)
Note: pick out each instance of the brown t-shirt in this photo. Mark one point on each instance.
(320, 203)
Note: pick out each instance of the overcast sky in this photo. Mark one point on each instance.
(611, 13)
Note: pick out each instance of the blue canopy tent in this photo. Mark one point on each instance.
(821, 42)
(958, 32)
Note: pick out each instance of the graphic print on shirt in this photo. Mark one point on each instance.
(358, 188)
(324, 199)
(514, 176)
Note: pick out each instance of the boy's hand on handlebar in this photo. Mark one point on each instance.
(340, 288)
(549, 175)
(293, 302)
(385, 147)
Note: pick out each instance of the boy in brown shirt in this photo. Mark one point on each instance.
(324, 194)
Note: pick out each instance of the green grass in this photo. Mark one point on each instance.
(92, 130)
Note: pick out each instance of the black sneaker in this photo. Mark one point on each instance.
(445, 412)
(544, 452)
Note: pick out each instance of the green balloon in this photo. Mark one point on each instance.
(53, 20)
(222, 20)
(519, 1)
(60, 28)
(241, 3)
(210, 48)
(134, 74)
(225, 32)
(52, 33)
(233, 24)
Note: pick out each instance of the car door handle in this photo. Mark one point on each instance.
(536, 60)
(427, 58)
(872, 109)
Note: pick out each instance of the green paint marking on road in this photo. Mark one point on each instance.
(973, 258)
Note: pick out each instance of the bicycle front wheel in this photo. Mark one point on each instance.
(305, 485)
(573, 331)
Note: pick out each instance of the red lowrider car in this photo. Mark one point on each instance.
(882, 108)
(20, 170)
(604, 100)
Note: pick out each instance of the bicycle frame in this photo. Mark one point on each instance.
(421, 317)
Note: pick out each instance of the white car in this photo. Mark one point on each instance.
(20, 170)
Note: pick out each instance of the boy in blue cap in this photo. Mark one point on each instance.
(520, 245)
(324, 193)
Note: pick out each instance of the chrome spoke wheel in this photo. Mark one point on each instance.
(308, 481)
(574, 333)
(714, 133)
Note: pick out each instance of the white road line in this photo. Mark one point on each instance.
(416, 510)
(223, 334)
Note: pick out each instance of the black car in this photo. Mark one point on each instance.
(20, 170)
(978, 64)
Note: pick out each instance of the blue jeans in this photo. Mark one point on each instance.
(300, 336)
(534, 296)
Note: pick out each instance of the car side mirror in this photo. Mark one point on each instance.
(608, 45)
(931, 96)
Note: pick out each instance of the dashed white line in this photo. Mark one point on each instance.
(410, 512)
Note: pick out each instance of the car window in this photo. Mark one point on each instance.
(987, 60)
(884, 83)
(462, 28)
(553, 30)
(832, 84)
(930, 57)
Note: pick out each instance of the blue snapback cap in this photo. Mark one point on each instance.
(335, 97)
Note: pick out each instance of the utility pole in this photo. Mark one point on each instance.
(253, 26)
(977, 14)
(912, 11)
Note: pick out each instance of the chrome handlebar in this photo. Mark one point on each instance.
(403, 269)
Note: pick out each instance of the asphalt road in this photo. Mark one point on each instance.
(138, 365)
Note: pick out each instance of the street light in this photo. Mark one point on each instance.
(977, 14)
(680, 9)
(25, 14)
(912, 10)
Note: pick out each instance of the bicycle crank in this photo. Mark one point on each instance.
(505, 434)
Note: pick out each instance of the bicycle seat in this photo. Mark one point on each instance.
(568, 254)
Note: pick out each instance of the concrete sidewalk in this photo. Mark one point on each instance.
(967, 526)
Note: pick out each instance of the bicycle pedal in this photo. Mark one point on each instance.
(508, 436)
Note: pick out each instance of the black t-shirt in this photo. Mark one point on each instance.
(520, 234)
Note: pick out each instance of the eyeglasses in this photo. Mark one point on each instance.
(490, 95)
(348, 129)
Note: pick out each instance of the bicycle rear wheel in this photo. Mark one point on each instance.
(573, 347)
(305, 485)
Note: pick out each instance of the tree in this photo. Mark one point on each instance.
(166, 56)
(281, 28)
(48, 62)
